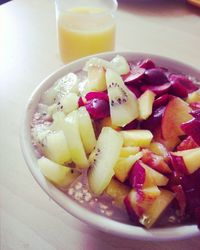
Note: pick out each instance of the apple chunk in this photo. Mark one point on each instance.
(96, 78)
(136, 137)
(145, 103)
(154, 211)
(176, 113)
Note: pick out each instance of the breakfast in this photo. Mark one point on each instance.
(122, 138)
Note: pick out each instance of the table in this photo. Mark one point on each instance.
(28, 53)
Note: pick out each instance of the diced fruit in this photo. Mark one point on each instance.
(192, 128)
(96, 78)
(131, 125)
(117, 191)
(106, 122)
(120, 65)
(142, 176)
(159, 90)
(81, 101)
(181, 199)
(184, 81)
(96, 62)
(134, 90)
(155, 161)
(49, 96)
(161, 101)
(124, 165)
(123, 103)
(107, 152)
(193, 97)
(196, 114)
(146, 64)
(145, 103)
(56, 147)
(154, 211)
(86, 130)
(60, 175)
(186, 159)
(98, 108)
(195, 105)
(127, 151)
(69, 103)
(140, 138)
(96, 95)
(155, 76)
(176, 112)
(188, 143)
(134, 76)
(158, 149)
(177, 89)
(72, 134)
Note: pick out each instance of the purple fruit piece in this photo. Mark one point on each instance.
(181, 198)
(81, 102)
(147, 64)
(195, 105)
(157, 89)
(131, 125)
(135, 90)
(196, 114)
(98, 109)
(97, 95)
(137, 176)
(183, 80)
(154, 120)
(197, 216)
(192, 128)
(155, 76)
(178, 163)
(161, 101)
(178, 89)
(130, 211)
(134, 75)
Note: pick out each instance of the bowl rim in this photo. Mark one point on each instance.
(98, 221)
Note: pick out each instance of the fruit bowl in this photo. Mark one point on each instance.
(98, 221)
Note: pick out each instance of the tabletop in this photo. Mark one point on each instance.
(28, 53)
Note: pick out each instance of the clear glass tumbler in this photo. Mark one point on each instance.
(85, 27)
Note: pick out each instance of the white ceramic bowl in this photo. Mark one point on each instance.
(91, 218)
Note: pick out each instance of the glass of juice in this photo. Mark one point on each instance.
(85, 27)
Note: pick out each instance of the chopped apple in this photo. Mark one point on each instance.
(176, 113)
(106, 154)
(145, 103)
(193, 97)
(86, 130)
(69, 103)
(127, 151)
(153, 212)
(72, 134)
(192, 128)
(187, 143)
(56, 147)
(124, 165)
(106, 122)
(156, 162)
(136, 137)
(158, 149)
(96, 78)
(60, 175)
(117, 191)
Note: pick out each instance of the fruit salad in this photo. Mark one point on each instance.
(123, 139)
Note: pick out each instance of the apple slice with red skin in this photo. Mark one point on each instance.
(187, 143)
(155, 161)
(176, 112)
(192, 128)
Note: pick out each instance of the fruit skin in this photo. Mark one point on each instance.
(146, 64)
(158, 90)
(124, 165)
(155, 161)
(161, 101)
(86, 130)
(145, 103)
(140, 138)
(192, 128)
(155, 76)
(123, 103)
(176, 113)
(188, 143)
(98, 108)
(184, 81)
(60, 175)
(186, 161)
(134, 76)
(107, 151)
(72, 134)
(117, 191)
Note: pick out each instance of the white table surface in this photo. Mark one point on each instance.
(28, 53)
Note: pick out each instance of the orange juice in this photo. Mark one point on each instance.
(85, 31)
